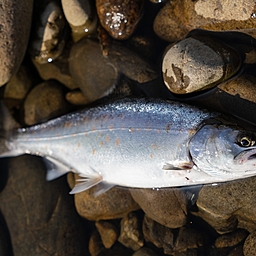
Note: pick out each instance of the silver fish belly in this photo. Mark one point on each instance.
(130, 142)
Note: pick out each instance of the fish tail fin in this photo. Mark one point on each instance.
(7, 124)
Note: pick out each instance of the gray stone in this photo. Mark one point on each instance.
(198, 63)
(130, 234)
(15, 23)
(166, 206)
(44, 102)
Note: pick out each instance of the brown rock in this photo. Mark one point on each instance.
(76, 97)
(108, 233)
(95, 244)
(15, 23)
(45, 101)
(250, 245)
(177, 18)
(40, 214)
(166, 206)
(237, 251)
(130, 234)
(144, 252)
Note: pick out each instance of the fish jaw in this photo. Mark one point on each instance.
(247, 156)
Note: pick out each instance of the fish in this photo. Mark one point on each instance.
(137, 143)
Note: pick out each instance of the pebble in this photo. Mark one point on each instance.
(119, 17)
(130, 234)
(48, 37)
(45, 101)
(76, 97)
(144, 252)
(176, 19)
(108, 233)
(95, 244)
(40, 217)
(249, 248)
(198, 63)
(166, 206)
(15, 24)
(19, 84)
(97, 76)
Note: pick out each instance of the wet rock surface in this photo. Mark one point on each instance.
(40, 217)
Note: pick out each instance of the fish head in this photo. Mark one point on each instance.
(224, 151)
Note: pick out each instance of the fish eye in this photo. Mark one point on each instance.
(245, 140)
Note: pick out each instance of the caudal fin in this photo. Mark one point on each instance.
(7, 124)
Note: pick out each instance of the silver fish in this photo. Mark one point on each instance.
(137, 143)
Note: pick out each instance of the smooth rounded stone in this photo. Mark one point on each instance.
(144, 252)
(177, 18)
(19, 84)
(40, 215)
(80, 16)
(166, 206)
(249, 248)
(229, 205)
(119, 17)
(44, 102)
(159, 235)
(48, 37)
(198, 63)
(97, 75)
(15, 24)
(95, 244)
(231, 239)
(57, 69)
(113, 204)
(76, 97)
(130, 234)
(108, 233)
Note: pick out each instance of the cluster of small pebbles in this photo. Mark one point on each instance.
(57, 56)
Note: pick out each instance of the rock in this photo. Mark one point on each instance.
(130, 234)
(15, 23)
(80, 16)
(228, 205)
(57, 69)
(19, 85)
(95, 244)
(76, 97)
(237, 251)
(48, 37)
(166, 206)
(113, 204)
(144, 252)
(231, 239)
(176, 19)
(159, 235)
(250, 245)
(198, 63)
(108, 233)
(119, 18)
(44, 102)
(97, 75)
(40, 214)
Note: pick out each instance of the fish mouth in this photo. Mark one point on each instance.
(247, 155)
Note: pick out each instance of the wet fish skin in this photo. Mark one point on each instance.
(137, 143)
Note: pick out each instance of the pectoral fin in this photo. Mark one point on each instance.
(175, 166)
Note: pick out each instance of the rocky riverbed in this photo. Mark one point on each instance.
(60, 56)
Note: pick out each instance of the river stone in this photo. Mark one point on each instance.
(144, 252)
(229, 205)
(97, 75)
(198, 63)
(40, 215)
(115, 203)
(166, 206)
(15, 23)
(177, 18)
(250, 245)
(76, 97)
(44, 102)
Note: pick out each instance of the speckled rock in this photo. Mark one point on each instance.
(44, 102)
(40, 215)
(231, 239)
(15, 23)
(115, 203)
(250, 245)
(80, 16)
(198, 63)
(177, 18)
(130, 234)
(19, 85)
(97, 75)
(229, 205)
(166, 206)
(108, 233)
